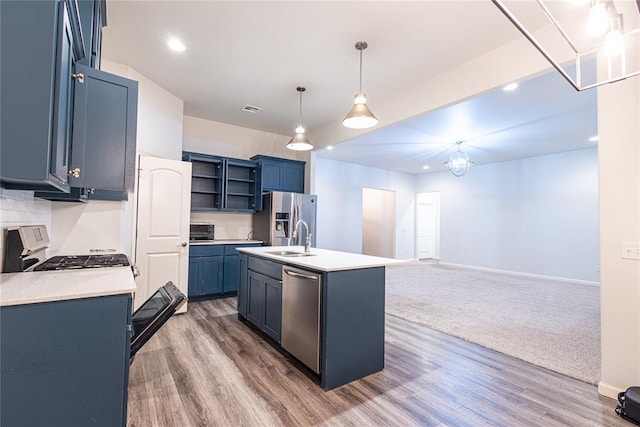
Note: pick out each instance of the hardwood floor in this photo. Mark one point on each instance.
(206, 368)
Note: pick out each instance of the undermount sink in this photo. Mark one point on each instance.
(290, 254)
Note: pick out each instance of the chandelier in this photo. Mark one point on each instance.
(581, 30)
(459, 162)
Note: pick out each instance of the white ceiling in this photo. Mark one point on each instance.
(543, 115)
(241, 52)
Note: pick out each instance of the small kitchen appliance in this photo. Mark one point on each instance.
(201, 231)
(275, 224)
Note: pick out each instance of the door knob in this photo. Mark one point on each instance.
(183, 244)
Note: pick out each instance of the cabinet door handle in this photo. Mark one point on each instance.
(74, 173)
(79, 77)
(183, 244)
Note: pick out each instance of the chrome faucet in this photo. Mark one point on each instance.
(307, 243)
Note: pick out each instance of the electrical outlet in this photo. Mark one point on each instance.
(630, 250)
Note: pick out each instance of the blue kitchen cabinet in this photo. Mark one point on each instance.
(263, 296)
(242, 186)
(231, 274)
(205, 275)
(206, 181)
(272, 307)
(93, 17)
(104, 138)
(224, 184)
(243, 284)
(205, 270)
(214, 270)
(68, 130)
(104, 131)
(40, 44)
(65, 363)
(281, 174)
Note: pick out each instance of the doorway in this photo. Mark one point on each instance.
(378, 222)
(428, 226)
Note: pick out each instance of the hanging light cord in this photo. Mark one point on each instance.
(300, 114)
(360, 88)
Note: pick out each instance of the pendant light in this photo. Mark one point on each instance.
(360, 116)
(300, 142)
(459, 162)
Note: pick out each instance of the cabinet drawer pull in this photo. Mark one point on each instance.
(74, 173)
(79, 77)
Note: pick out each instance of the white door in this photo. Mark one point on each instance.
(162, 243)
(378, 222)
(427, 225)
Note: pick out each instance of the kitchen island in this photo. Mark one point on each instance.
(326, 308)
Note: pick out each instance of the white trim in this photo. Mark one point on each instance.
(608, 390)
(517, 273)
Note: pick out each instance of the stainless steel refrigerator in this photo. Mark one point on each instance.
(275, 223)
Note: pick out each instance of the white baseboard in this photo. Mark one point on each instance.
(608, 390)
(517, 273)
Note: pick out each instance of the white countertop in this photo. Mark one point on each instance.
(323, 260)
(42, 286)
(225, 242)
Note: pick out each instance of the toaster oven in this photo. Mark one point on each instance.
(201, 231)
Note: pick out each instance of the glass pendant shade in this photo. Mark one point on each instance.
(360, 116)
(459, 162)
(300, 142)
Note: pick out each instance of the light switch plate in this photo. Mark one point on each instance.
(630, 250)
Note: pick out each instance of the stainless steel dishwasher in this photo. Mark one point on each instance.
(301, 315)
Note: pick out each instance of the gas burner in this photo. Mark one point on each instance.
(70, 262)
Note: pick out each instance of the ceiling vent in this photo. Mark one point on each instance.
(251, 109)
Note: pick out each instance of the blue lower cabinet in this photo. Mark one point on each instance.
(205, 275)
(261, 303)
(243, 284)
(65, 363)
(214, 270)
(231, 275)
(273, 308)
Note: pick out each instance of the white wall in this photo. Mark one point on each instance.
(619, 163)
(339, 188)
(221, 139)
(537, 215)
(78, 227)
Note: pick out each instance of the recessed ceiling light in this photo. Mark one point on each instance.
(329, 147)
(593, 138)
(510, 87)
(425, 167)
(176, 45)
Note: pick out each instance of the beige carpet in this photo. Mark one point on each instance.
(554, 324)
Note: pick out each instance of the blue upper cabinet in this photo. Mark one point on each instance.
(40, 43)
(93, 16)
(220, 183)
(281, 174)
(104, 131)
(68, 130)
